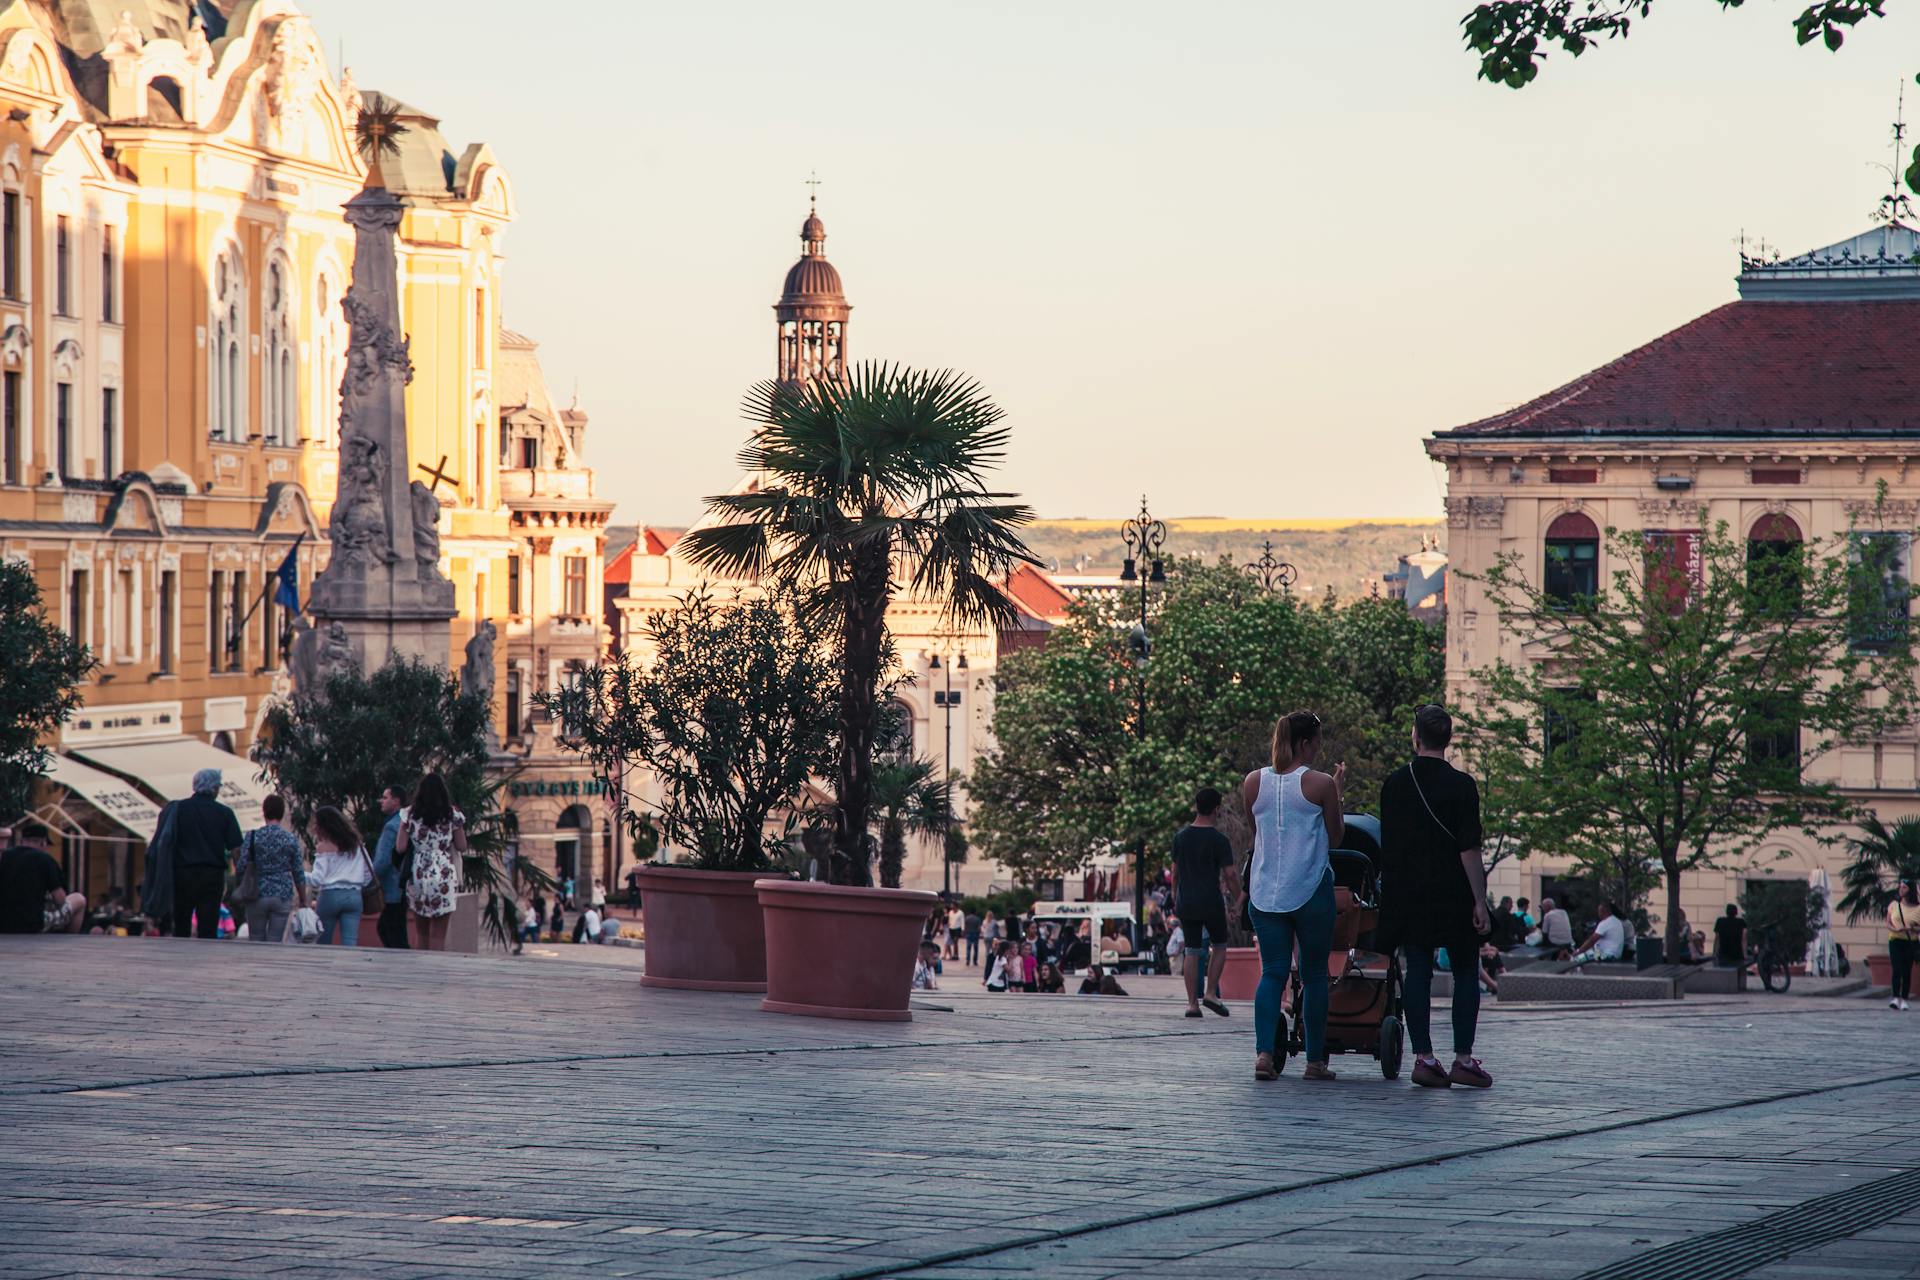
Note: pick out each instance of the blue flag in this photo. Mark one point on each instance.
(287, 594)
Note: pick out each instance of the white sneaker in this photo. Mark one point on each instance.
(1903, 1006)
(1894, 1003)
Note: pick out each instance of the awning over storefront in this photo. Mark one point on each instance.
(167, 768)
(116, 799)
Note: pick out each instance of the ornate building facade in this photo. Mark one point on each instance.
(1781, 413)
(172, 342)
(552, 607)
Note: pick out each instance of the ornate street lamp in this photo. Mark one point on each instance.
(1145, 537)
(1270, 572)
(947, 699)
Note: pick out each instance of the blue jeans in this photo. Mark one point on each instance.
(341, 908)
(1419, 996)
(1277, 932)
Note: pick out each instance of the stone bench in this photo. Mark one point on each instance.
(1531, 984)
(1710, 980)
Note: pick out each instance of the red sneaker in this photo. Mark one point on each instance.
(1471, 1074)
(1429, 1074)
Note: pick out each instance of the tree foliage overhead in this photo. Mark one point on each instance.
(869, 485)
(44, 667)
(357, 734)
(1513, 37)
(1072, 777)
(1668, 719)
(733, 713)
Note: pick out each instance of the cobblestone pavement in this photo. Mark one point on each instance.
(219, 1109)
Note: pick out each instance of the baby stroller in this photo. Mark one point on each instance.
(1364, 1009)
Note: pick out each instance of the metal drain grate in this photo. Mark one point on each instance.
(1734, 1251)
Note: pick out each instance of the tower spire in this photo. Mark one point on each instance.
(812, 311)
(1895, 206)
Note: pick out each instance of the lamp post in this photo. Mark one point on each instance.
(947, 699)
(1270, 572)
(1144, 537)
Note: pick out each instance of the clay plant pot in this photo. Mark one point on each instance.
(836, 951)
(1880, 968)
(1242, 973)
(703, 930)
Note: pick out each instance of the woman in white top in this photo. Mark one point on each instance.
(1296, 819)
(341, 870)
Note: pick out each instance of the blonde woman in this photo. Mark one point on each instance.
(1296, 820)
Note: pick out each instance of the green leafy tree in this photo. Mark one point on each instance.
(732, 714)
(1788, 911)
(869, 485)
(1071, 775)
(908, 800)
(1667, 719)
(1513, 37)
(44, 667)
(1880, 857)
(357, 734)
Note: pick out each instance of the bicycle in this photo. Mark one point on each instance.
(1774, 968)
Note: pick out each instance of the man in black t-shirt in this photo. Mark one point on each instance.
(1203, 885)
(1730, 939)
(1433, 894)
(33, 889)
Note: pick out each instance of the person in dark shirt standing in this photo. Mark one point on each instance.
(1203, 884)
(1433, 893)
(33, 889)
(206, 836)
(1730, 939)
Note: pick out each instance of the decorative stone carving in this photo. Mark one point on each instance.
(476, 677)
(1672, 513)
(358, 525)
(1476, 513)
(426, 526)
(1891, 513)
(336, 649)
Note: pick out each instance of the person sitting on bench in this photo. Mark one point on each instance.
(1608, 941)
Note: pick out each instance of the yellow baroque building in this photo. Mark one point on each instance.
(172, 258)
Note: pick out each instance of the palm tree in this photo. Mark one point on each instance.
(908, 800)
(870, 484)
(1881, 858)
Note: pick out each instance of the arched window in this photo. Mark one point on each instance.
(1572, 558)
(1772, 560)
(896, 730)
(226, 343)
(277, 368)
(329, 347)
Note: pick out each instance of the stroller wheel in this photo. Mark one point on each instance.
(1282, 1045)
(1392, 1045)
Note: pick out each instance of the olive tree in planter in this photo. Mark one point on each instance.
(869, 485)
(731, 714)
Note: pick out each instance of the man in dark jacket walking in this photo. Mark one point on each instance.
(1433, 894)
(206, 836)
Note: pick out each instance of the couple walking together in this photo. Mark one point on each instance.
(1432, 890)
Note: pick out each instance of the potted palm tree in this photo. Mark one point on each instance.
(869, 486)
(1882, 857)
(731, 716)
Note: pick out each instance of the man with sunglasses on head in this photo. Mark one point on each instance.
(1433, 894)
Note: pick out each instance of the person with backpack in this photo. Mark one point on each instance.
(1433, 894)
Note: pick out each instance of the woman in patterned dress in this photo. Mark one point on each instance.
(433, 836)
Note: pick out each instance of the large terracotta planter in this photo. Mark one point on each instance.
(703, 930)
(1242, 973)
(1880, 966)
(834, 951)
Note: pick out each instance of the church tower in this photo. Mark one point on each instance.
(812, 311)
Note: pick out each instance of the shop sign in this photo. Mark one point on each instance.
(132, 722)
(559, 787)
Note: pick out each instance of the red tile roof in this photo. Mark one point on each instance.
(620, 568)
(660, 541)
(1038, 594)
(1746, 369)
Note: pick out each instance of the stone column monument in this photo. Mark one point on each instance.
(382, 594)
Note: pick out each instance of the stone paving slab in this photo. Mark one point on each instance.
(186, 1108)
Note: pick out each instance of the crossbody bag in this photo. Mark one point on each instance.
(247, 892)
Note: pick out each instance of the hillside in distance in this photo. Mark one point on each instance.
(1350, 556)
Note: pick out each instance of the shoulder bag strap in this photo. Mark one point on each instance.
(1414, 774)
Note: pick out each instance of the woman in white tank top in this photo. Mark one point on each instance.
(1296, 819)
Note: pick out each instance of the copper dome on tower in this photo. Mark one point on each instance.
(812, 312)
(812, 278)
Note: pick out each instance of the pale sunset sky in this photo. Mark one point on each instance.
(1242, 256)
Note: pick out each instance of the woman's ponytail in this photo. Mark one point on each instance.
(1290, 733)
